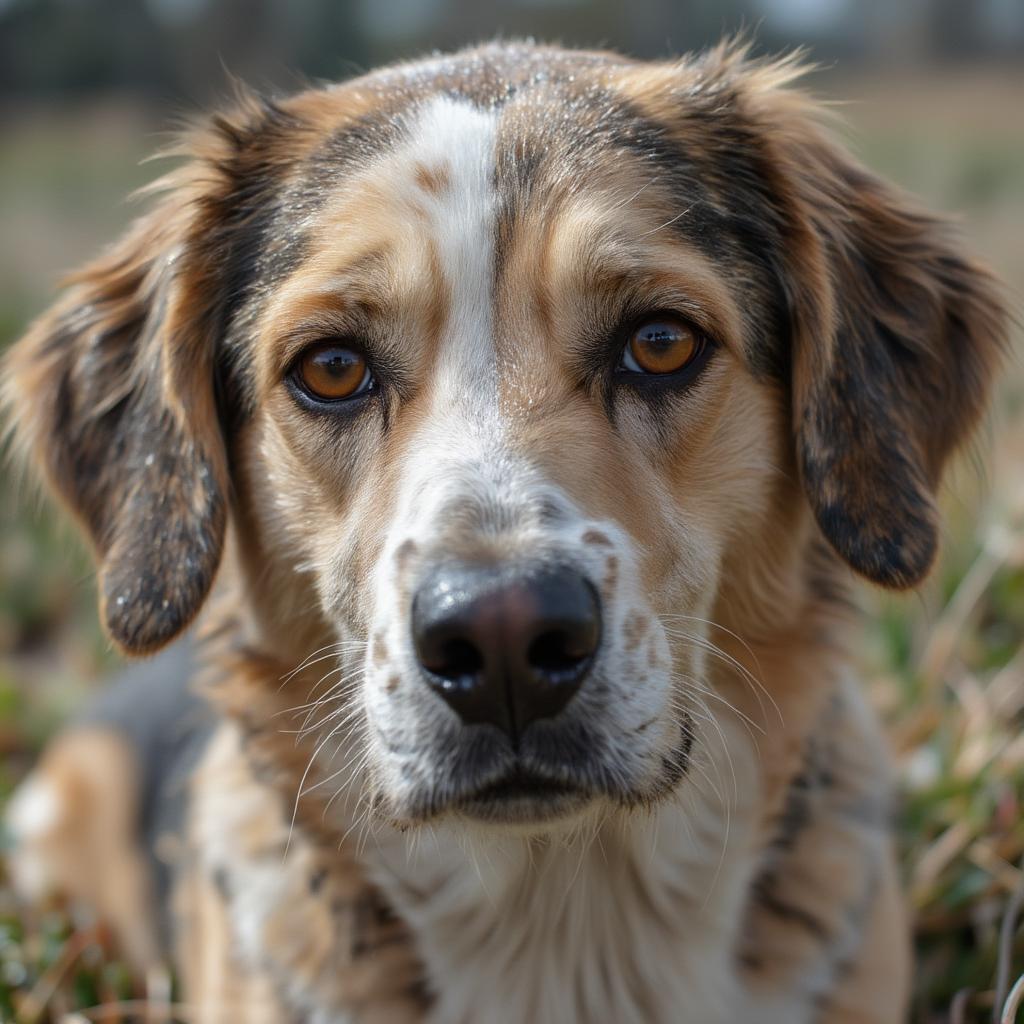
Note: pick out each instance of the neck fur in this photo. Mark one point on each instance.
(622, 918)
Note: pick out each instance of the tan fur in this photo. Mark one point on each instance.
(88, 849)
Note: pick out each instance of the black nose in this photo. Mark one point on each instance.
(506, 648)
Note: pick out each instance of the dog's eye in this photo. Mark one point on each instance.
(663, 344)
(331, 372)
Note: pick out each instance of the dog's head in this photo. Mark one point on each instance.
(510, 371)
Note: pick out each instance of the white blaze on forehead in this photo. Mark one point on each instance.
(447, 165)
(455, 142)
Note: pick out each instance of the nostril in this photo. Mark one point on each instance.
(456, 659)
(557, 651)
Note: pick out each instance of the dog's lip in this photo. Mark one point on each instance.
(523, 798)
(521, 784)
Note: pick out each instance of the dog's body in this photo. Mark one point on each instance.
(530, 389)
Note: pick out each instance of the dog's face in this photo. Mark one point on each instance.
(515, 369)
(506, 423)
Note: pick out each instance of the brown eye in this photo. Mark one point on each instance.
(662, 345)
(332, 372)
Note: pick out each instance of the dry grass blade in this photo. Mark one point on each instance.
(1007, 934)
(37, 1001)
(1013, 1002)
(947, 632)
(958, 1010)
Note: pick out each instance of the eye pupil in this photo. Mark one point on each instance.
(336, 364)
(657, 334)
(332, 372)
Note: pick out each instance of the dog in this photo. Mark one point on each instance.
(516, 417)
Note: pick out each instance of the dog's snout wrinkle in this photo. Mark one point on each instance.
(506, 647)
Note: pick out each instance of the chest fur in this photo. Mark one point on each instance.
(625, 917)
(617, 919)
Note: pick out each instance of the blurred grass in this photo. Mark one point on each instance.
(946, 669)
(64, 178)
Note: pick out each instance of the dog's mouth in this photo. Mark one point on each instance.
(522, 797)
(538, 790)
(520, 785)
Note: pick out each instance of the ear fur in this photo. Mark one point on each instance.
(112, 394)
(896, 334)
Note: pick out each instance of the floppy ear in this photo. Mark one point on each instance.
(112, 392)
(896, 333)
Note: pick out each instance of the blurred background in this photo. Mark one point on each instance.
(934, 98)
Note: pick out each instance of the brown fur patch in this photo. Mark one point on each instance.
(434, 180)
(611, 576)
(634, 629)
(653, 659)
(406, 551)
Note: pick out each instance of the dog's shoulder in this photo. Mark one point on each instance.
(824, 890)
(263, 861)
